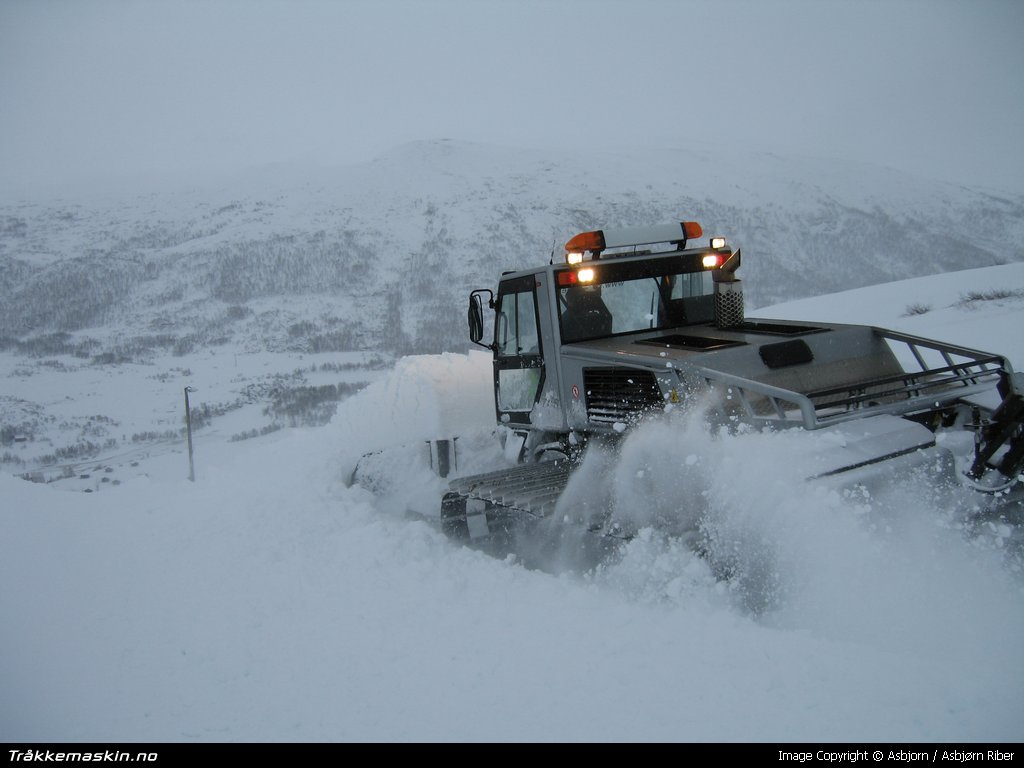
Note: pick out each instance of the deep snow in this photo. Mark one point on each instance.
(270, 601)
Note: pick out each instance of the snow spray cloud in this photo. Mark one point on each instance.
(727, 516)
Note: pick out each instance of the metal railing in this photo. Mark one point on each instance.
(957, 372)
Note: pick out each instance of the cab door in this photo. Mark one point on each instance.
(518, 353)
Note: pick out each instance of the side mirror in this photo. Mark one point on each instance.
(476, 316)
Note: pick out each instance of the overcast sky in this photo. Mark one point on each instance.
(97, 87)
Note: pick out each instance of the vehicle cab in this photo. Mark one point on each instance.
(559, 325)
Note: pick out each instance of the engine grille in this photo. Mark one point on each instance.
(620, 395)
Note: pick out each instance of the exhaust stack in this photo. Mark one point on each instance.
(728, 303)
(728, 293)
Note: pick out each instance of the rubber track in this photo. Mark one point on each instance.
(530, 488)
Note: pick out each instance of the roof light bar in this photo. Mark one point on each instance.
(658, 233)
(601, 239)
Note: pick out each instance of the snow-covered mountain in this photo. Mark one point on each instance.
(381, 256)
(278, 292)
(270, 601)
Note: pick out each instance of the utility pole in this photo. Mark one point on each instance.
(188, 429)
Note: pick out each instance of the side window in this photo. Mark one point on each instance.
(516, 330)
(517, 340)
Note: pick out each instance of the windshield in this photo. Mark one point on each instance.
(629, 300)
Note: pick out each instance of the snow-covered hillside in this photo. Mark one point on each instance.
(280, 291)
(270, 601)
(381, 255)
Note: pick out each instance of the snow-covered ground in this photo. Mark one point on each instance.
(271, 601)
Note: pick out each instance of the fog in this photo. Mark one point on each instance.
(100, 89)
